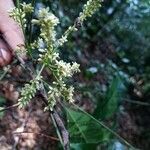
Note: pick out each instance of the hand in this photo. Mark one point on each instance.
(11, 33)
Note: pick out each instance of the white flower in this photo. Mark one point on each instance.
(41, 43)
(66, 69)
(70, 94)
(90, 8)
(27, 8)
(55, 56)
(45, 15)
(62, 40)
(75, 67)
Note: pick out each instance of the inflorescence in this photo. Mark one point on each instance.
(49, 58)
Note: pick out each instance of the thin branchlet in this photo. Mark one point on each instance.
(88, 10)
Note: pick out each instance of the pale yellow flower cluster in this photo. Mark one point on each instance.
(47, 45)
(19, 15)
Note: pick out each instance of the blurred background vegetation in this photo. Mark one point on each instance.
(113, 48)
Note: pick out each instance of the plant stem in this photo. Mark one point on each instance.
(9, 107)
(39, 73)
(18, 3)
(30, 25)
(61, 126)
(4, 73)
(57, 130)
(40, 134)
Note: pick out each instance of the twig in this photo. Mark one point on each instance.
(4, 73)
(23, 65)
(136, 102)
(64, 132)
(9, 107)
(30, 25)
(57, 130)
(6, 70)
(40, 134)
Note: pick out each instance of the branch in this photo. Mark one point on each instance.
(9, 107)
(41, 134)
(64, 132)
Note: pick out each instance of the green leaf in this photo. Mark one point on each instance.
(1, 112)
(2, 101)
(82, 146)
(108, 105)
(84, 129)
(115, 92)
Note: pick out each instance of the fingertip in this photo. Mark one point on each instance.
(5, 54)
(13, 39)
(5, 57)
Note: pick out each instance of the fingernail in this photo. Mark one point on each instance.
(5, 57)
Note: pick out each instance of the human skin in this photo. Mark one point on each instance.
(11, 36)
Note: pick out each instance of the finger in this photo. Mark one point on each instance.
(5, 54)
(12, 34)
(10, 30)
(6, 5)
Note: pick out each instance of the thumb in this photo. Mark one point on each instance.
(5, 54)
(10, 30)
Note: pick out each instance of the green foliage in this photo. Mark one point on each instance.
(84, 129)
(108, 105)
(81, 146)
(2, 101)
